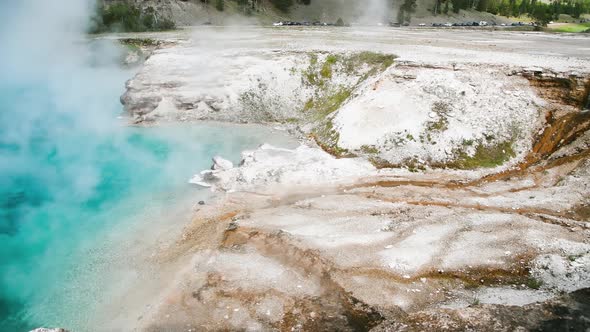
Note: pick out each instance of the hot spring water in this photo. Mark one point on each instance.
(81, 194)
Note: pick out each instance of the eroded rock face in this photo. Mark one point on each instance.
(562, 88)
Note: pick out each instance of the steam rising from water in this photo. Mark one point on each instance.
(65, 162)
(376, 11)
(57, 109)
(368, 12)
(71, 175)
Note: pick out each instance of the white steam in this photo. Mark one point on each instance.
(58, 105)
(376, 11)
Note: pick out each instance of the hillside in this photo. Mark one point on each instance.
(197, 12)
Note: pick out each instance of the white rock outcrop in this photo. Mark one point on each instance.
(269, 165)
(220, 164)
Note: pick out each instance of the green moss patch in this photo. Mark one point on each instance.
(140, 42)
(326, 70)
(369, 149)
(327, 138)
(534, 283)
(331, 102)
(485, 156)
(364, 64)
(329, 96)
(571, 27)
(442, 123)
(379, 61)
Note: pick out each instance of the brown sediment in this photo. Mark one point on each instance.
(336, 308)
(334, 150)
(400, 183)
(277, 246)
(583, 212)
(215, 283)
(520, 210)
(566, 160)
(515, 272)
(559, 131)
(410, 64)
(281, 247)
(565, 90)
(188, 235)
(568, 223)
(339, 309)
(203, 233)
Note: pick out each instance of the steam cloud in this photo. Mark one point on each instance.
(58, 106)
(376, 11)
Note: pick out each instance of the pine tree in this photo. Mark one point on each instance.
(220, 5)
(282, 5)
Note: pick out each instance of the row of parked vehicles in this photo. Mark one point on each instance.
(464, 24)
(393, 24)
(304, 23)
(482, 24)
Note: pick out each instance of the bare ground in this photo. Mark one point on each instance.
(396, 250)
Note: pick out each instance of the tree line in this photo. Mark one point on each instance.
(250, 6)
(123, 17)
(541, 11)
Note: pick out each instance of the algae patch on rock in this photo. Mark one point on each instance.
(327, 138)
(333, 79)
(486, 156)
(305, 87)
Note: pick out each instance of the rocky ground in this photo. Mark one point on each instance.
(442, 182)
